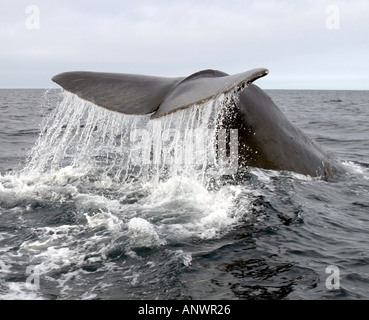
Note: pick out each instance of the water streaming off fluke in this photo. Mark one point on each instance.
(190, 142)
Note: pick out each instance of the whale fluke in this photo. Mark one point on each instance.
(266, 138)
(141, 94)
(203, 86)
(124, 93)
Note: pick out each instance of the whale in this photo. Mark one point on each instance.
(266, 138)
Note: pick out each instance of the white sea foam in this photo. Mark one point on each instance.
(82, 146)
(142, 234)
(132, 183)
(185, 257)
(20, 291)
(356, 169)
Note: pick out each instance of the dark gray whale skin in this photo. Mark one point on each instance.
(271, 141)
(267, 139)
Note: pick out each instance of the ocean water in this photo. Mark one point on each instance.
(92, 207)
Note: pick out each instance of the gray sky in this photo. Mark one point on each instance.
(306, 44)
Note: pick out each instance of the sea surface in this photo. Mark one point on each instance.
(92, 207)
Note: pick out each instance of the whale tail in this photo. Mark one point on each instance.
(140, 94)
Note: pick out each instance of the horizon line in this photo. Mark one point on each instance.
(296, 89)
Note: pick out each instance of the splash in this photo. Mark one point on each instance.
(99, 185)
(86, 139)
(144, 183)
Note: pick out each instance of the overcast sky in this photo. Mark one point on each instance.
(306, 44)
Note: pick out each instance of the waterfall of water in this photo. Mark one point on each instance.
(83, 136)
